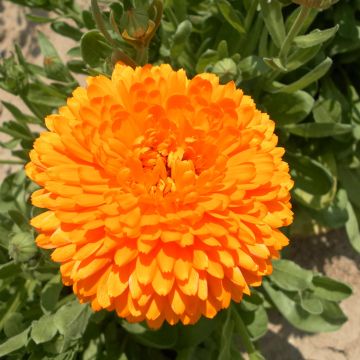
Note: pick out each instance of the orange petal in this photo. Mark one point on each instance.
(163, 282)
(165, 262)
(124, 255)
(64, 253)
(177, 302)
(182, 269)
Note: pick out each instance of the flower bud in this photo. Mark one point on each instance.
(13, 77)
(315, 4)
(22, 247)
(139, 37)
(140, 24)
(137, 26)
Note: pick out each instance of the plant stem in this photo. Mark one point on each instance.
(119, 55)
(11, 162)
(242, 331)
(16, 303)
(170, 14)
(293, 32)
(100, 22)
(64, 300)
(142, 55)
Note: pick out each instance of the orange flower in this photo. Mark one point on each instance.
(164, 194)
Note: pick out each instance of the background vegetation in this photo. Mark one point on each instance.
(299, 64)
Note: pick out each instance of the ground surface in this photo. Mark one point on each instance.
(331, 255)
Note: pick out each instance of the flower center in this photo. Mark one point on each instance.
(159, 167)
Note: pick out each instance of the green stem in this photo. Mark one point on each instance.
(241, 329)
(170, 14)
(16, 303)
(64, 300)
(11, 162)
(12, 308)
(119, 55)
(142, 55)
(100, 22)
(293, 32)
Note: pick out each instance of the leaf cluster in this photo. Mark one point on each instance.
(305, 74)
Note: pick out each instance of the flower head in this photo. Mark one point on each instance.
(164, 194)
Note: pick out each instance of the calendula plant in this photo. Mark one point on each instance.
(162, 190)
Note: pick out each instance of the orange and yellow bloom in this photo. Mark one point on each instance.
(165, 195)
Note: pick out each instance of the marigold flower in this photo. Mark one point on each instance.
(165, 195)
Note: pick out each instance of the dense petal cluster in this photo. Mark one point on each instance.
(164, 194)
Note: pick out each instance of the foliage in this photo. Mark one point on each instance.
(299, 64)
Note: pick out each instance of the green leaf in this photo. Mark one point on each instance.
(350, 180)
(16, 130)
(94, 48)
(327, 110)
(19, 116)
(275, 64)
(287, 109)
(330, 289)
(256, 356)
(74, 52)
(222, 49)
(77, 66)
(307, 22)
(164, 338)
(71, 319)
(14, 343)
(180, 38)
(331, 319)
(39, 19)
(13, 324)
(50, 294)
(192, 335)
(272, 14)
(316, 37)
(44, 329)
(311, 304)
(310, 77)
(20, 220)
(53, 65)
(318, 130)
(336, 214)
(352, 228)
(67, 30)
(289, 276)
(300, 57)
(88, 19)
(231, 15)
(46, 96)
(9, 269)
(315, 185)
(252, 302)
(345, 16)
(256, 322)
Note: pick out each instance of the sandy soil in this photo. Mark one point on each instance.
(331, 255)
